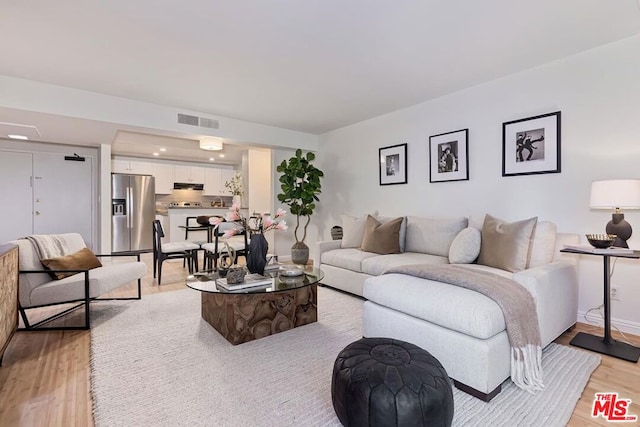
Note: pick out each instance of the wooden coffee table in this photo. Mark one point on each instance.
(253, 313)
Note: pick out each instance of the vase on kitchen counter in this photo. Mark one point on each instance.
(237, 200)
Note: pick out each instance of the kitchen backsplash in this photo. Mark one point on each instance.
(163, 201)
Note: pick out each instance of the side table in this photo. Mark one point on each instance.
(606, 345)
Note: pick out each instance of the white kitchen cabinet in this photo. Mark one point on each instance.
(189, 174)
(131, 167)
(163, 174)
(214, 181)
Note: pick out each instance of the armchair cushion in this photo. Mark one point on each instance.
(83, 259)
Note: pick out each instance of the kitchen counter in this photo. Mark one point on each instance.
(177, 216)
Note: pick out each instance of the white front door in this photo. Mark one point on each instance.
(16, 218)
(62, 196)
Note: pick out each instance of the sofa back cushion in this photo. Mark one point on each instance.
(432, 235)
(505, 245)
(381, 238)
(543, 244)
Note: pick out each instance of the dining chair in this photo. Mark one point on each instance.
(174, 250)
(214, 250)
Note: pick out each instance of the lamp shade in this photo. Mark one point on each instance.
(211, 143)
(615, 193)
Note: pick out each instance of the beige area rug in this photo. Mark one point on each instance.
(155, 362)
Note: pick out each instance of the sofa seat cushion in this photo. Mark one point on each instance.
(378, 264)
(349, 258)
(475, 314)
(101, 281)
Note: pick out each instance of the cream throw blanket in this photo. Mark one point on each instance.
(519, 310)
(48, 245)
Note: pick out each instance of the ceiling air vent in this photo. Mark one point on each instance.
(198, 121)
(209, 123)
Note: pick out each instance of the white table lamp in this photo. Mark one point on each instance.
(616, 194)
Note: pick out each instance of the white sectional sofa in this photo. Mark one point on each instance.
(463, 329)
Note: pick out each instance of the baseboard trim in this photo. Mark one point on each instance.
(624, 325)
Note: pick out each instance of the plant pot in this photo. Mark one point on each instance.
(237, 200)
(300, 253)
(257, 256)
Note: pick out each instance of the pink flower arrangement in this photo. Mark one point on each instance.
(257, 224)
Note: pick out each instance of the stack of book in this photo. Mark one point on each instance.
(250, 281)
(590, 249)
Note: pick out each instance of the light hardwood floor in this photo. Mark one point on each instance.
(44, 378)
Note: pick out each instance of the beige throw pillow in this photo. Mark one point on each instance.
(380, 238)
(403, 228)
(84, 259)
(505, 245)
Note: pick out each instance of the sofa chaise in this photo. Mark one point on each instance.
(462, 328)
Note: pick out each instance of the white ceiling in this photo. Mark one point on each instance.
(312, 65)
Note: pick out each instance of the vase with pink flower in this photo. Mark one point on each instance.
(256, 226)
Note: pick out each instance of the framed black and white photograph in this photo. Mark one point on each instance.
(393, 164)
(449, 156)
(531, 145)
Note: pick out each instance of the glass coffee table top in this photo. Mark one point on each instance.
(206, 282)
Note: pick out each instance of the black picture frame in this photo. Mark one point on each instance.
(449, 156)
(393, 164)
(532, 146)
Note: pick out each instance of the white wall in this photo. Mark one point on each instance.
(39, 97)
(598, 92)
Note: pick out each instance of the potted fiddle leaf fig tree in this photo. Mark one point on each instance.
(300, 185)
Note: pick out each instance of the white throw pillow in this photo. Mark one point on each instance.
(465, 247)
(353, 230)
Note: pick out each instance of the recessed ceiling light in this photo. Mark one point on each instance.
(156, 154)
(221, 155)
(18, 137)
(211, 158)
(163, 149)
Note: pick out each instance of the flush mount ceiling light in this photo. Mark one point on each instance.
(211, 143)
(18, 137)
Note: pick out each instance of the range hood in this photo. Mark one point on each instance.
(187, 186)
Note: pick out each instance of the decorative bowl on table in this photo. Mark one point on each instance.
(291, 270)
(601, 240)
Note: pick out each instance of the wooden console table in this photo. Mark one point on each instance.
(8, 294)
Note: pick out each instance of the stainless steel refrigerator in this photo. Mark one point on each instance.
(133, 207)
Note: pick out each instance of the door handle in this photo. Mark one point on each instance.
(129, 204)
(37, 212)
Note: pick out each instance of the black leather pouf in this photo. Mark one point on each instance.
(386, 382)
